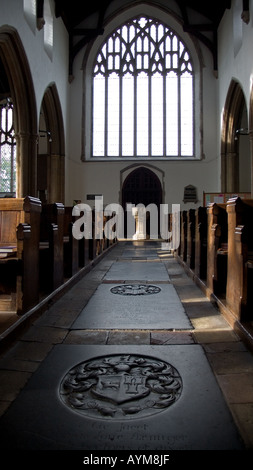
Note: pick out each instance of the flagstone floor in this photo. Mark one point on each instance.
(134, 356)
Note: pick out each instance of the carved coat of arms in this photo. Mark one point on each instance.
(119, 386)
(135, 289)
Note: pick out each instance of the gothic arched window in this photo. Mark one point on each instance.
(7, 148)
(143, 100)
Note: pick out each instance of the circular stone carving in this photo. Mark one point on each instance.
(121, 386)
(135, 289)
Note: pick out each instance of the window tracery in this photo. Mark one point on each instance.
(143, 102)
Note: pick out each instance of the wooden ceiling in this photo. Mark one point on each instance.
(74, 12)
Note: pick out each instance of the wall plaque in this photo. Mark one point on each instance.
(190, 194)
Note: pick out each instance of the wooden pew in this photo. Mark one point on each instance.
(183, 237)
(106, 241)
(71, 245)
(92, 240)
(99, 232)
(51, 247)
(217, 233)
(240, 258)
(190, 252)
(200, 266)
(19, 228)
(83, 241)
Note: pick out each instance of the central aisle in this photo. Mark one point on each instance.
(123, 396)
(136, 293)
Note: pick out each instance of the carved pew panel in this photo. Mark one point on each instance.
(28, 272)
(183, 237)
(15, 265)
(71, 245)
(240, 251)
(201, 243)
(51, 247)
(92, 240)
(191, 238)
(217, 232)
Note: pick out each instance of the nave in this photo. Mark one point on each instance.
(133, 357)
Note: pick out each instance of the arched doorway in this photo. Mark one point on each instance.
(235, 144)
(51, 154)
(142, 186)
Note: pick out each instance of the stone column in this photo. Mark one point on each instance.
(232, 172)
(26, 156)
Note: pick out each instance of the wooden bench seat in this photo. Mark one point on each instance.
(183, 236)
(217, 238)
(200, 265)
(51, 247)
(190, 255)
(240, 258)
(71, 245)
(17, 217)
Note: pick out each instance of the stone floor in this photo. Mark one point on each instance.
(168, 372)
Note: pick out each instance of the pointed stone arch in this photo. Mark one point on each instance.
(235, 117)
(18, 72)
(52, 160)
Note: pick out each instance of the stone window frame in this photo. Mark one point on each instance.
(89, 59)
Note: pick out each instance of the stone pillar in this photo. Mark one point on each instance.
(232, 172)
(26, 156)
(56, 182)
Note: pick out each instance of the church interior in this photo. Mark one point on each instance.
(126, 225)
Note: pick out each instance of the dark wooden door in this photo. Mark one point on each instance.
(142, 186)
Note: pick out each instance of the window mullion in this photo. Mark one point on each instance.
(164, 114)
(106, 116)
(12, 169)
(149, 104)
(120, 115)
(135, 114)
(149, 116)
(179, 112)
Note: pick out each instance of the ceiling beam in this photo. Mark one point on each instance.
(87, 34)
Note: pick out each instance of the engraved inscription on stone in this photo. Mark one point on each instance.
(121, 386)
(135, 289)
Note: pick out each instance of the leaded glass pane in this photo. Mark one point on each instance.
(98, 116)
(7, 148)
(186, 115)
(113, 115)
(157, 114)
(142, 114)
(127, 116)
(171, 114)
